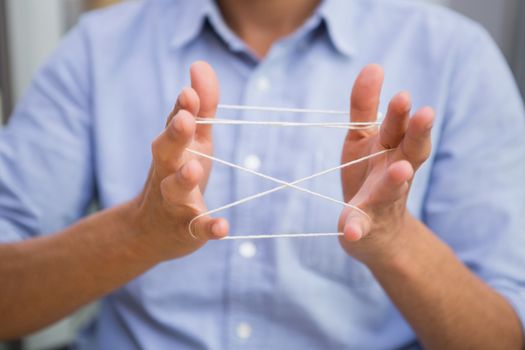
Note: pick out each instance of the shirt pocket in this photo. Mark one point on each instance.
(324, 256)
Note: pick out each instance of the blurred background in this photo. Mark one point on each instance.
(31, 29)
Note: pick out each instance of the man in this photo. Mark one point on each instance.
(444, 270)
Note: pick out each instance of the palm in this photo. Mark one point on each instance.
(204, 145)
(172, 197)
(357, 146)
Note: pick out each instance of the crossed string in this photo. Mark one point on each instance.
(284, 184)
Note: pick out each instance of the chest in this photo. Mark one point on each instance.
(308, 77)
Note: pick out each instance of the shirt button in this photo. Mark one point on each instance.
(247, 250)
(263, 84)
(244, 330)
(252, 162)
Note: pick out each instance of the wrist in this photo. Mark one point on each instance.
(411, 252)
(396, 248)
(139, 242)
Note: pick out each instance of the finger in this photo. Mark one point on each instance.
(206, 85)
(356, 226)
(188, 100)
(177, 187)
(364, 102)
(417, 143)
(392, 186)
(168, 147)
(219, 228)
(207, 228)
(395, 124)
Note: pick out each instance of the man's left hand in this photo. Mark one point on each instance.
(380, 186)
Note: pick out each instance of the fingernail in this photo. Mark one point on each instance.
(358, 234)
(216, 228)
(182, 97)
(355, 234)
(179, 122)
(185, 172)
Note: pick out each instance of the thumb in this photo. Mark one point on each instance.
(393, 186)
(205, 83)
(356, 226)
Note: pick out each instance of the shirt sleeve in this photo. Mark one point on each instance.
(476, 196)
(46, 160)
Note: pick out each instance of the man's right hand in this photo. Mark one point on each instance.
(173, 194)
(101, 252)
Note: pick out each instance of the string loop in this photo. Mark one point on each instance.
(283, 184)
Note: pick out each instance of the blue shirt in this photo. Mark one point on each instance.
(84, 129)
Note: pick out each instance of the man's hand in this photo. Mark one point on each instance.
(173, 194)
(103, 251)
(380, 186)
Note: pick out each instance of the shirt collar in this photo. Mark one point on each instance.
(189, 20)
(192, 16)
(340, 19)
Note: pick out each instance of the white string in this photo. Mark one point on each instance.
(338, 125)
(284, 184)
(286, 235)
(286, 110)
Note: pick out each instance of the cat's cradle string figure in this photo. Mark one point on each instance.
(284, 184)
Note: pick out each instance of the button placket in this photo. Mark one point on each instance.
(247, 270)
(248, 154)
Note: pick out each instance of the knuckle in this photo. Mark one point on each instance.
(417, 151)
(158, 156)
(425, 155)
(199, 229)
(165, 191)
(414, 156)
(184, 96)
(403, 191)
(184, 183)
(417, 162)
(358, 134)
(387, 138)
(362, 106)
(156, 148)
(424, 152)
(421, 157)
(169, 119)
(171, 129)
